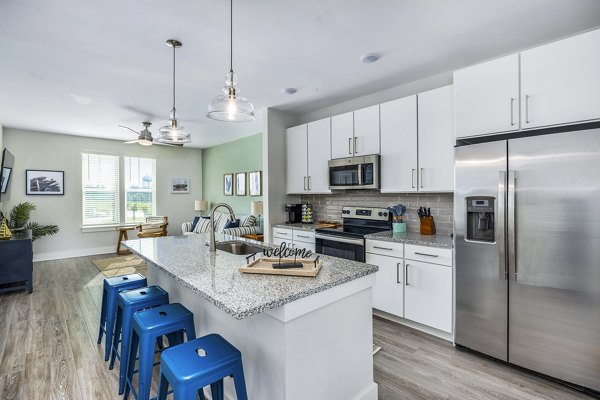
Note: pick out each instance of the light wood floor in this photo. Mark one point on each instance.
(48, 350)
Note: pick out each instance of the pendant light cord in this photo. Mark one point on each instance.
(173, 81)
(231, 38)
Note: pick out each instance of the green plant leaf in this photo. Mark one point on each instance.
(38, 230)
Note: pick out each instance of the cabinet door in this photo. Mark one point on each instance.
(342, 133)
(366, 131)
(319, 151)
(560, 81)
(388, 292)
(278, 241)
(486, 97)
(428, 294)
(399, 145)
(436, 140)
(305, 245)
(297, 160)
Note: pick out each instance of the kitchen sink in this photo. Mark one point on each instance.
(238, 247)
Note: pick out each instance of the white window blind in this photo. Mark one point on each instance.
(140, 188)
(100, 189)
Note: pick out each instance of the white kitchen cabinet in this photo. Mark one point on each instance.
(297, 160)
(294, 238)
(428, 294)
(486, 97)
(342, 135)
(308, 148)
(560, 82)
(277, 241)
(319, 151)
(436, 140)
(388, 291)
(366, 131)
(399, 145)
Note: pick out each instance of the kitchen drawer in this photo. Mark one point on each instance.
(391, 249)
(283, 233)
(434, 255)
(303, 236)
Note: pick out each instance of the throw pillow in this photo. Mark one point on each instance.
(250, 221)
(232, 224)
(194, 223)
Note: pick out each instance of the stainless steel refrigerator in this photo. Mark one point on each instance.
(527, 227)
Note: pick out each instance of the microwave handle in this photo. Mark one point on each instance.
(360, 177)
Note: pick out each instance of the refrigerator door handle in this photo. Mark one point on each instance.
(501, 232)
(512, 261)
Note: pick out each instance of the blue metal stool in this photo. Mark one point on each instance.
(148, 325)
(112, 286)
(198, 363)
(128, 303)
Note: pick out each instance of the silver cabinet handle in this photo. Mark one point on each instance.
(382, 248)
(421, 179)
(350, 145)
(282, 233)
(512, 261)
(406, 274)
(502, 273)
(309, 182)
(355, 151)
(302, 236)
(512, 113)
(527, 108)
(398, 272)
(428, 255)
(412, 178)
(304, 183)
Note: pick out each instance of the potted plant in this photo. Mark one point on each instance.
(19, 221)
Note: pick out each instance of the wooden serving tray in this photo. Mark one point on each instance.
(264, 265)
(327, 224)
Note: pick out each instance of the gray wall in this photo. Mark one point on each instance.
(329, 207)
(41, 150)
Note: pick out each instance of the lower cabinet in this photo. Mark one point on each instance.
(294, 238)
(428, 294)
(388, 292)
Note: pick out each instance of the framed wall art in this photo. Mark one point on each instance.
(180, 185)
(240, 184)
(228, 184)
(255, 183)
(44, 182)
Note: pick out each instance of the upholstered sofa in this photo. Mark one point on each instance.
(247, 225)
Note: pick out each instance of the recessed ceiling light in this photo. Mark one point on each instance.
(289, 90)
(83, 100)
(370, 58)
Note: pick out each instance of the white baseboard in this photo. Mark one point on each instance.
(57, 255)
(415, 325)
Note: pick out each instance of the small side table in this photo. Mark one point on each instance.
(123, 236)
(259, 237)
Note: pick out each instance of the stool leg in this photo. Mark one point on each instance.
(239, 382)
(201, 394)
(130, 365)
(145, 366)
(216, 390)
(163, 387)
(190, 330)
(116, 337)
(126, 334)
(184, 392)
(102, 316)
(111, 308)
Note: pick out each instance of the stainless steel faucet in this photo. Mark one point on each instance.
(213, 245)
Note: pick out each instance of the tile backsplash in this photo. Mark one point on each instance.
(329, 206)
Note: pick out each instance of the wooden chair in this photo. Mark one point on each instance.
(153, 227)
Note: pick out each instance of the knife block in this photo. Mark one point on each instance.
(427, 225)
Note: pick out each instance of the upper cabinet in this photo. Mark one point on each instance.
(355, 133)
(559, 84)
(487, 97)
(308, 147)
(436, 140)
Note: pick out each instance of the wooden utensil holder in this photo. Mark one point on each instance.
(427, 225)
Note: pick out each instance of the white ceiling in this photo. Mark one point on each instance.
(110, 55)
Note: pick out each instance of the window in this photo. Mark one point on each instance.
(140, 190)
(100, 189)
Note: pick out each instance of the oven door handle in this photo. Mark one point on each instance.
(359, 242)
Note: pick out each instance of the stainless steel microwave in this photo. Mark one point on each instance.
(354, 172)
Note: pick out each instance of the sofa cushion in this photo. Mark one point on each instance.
(248, 220)
(194, 223)
(232, 224)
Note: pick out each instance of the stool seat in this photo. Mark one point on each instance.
(198, 363)
(112, 286)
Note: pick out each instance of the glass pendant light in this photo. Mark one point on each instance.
(230, 106)
(173, 133)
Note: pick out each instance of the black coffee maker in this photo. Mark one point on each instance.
(294, 212)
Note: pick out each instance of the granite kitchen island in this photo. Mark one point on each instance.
(300, 337)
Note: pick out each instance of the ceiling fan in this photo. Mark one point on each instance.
(145, 136)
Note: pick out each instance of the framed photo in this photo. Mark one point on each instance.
(255, 183)
(240, 184)
(180, 185)
(228, 184)
(44, 182)
(4, 179)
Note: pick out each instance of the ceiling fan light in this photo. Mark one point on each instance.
(145, 142)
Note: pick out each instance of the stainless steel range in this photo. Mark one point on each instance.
(348, 241)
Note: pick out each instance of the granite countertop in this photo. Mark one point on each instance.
(444, 241)
(298, 226)
(217, 279)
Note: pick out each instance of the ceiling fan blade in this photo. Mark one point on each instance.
(168, 144)
(126, 127)
(130, 142)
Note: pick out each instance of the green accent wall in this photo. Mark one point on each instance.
(243, 155)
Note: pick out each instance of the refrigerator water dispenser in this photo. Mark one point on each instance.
(481, 225)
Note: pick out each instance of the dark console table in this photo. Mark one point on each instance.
(16, 262)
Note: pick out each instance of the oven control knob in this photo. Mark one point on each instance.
(380, 214)
(385, 214)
